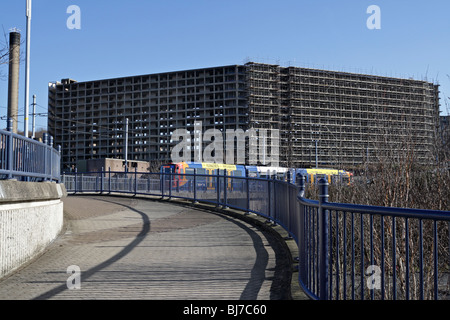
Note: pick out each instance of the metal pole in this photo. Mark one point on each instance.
(218, 187)
(33, 135)
(301, 185)
(135, 180)
(323, 240)
(317, 157)
(269, 211)
(170, 183)
(27, 68)
(50, 155)
(46, 156)
(225, 180)
(195, 185)
(126, 146)
(58, 173)
(109, 179)
(10, 150)
(101, 180)
(75, 178)
(247, 187)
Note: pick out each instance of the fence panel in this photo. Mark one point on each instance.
(374, 253)
(25, 159)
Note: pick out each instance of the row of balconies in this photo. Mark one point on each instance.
(142, 125)
(104, 87)
(146, 100)
(317, 75)
(163, 90)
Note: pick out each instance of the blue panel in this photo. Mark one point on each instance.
(194, 165)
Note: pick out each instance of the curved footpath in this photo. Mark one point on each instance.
(136, 248)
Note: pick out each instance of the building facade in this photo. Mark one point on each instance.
(324, 118)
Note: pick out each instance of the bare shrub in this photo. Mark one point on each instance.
(396, 176)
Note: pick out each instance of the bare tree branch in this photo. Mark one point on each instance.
(4, 54)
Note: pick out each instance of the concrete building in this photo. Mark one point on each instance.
(326, 117)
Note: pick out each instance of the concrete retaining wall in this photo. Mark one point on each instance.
(31, 217)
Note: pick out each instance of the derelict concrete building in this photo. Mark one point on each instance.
(324, 118)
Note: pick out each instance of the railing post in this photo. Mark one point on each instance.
(50, 155)
(135, 180)
(59, 163)
(292, 197)
(269, 198)
(302, 236)
(274, 201)
(109, 179)
(46, 156)
(323, 240)
(162, 181)
(101, 180)
(195, 186)
(75, 179)
(225, 178)
(218, 187)
(300, 179)
(10, 150)
(269, 180)
(247, 186)
(170, 184)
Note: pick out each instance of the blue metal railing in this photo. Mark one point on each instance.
(369, 252)
(345, 251)
(25, 159)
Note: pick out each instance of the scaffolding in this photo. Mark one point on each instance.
(343, 118)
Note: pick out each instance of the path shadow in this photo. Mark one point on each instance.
(127, 249)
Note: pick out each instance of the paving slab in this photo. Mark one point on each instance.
(135, 248)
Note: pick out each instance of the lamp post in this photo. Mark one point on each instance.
(319, 134)
(316, 140)
(33, 130)
(317, 157)
(27, 69)
(126, 147)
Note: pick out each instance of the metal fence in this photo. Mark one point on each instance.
(367, 252)
(26, 159)
(345, 251)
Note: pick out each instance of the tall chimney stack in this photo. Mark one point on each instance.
(13, 78)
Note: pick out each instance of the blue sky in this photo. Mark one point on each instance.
(122, 38)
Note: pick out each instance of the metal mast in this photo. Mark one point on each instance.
(27, 69)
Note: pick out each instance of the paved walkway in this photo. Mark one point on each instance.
(134, 248)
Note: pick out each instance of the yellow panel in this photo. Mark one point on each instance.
(220, 166)
(323, 171)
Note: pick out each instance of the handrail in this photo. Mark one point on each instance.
(372, 252)
(26, 159)
(390, 211)
(346, 251)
